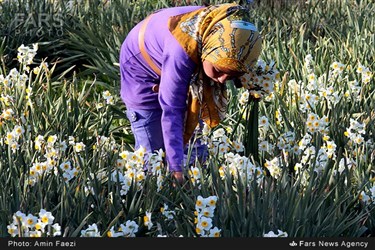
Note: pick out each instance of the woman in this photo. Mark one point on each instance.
(174, 65)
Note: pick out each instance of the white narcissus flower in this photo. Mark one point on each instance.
(200, 203)
(147, 220)
(129, 229)
(46, 217)
(279, 234)
(79, 147)
(214, 232)
(204, 223)
(91, 231)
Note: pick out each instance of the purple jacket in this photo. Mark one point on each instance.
(137, 78)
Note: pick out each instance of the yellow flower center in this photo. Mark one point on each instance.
(44, 219)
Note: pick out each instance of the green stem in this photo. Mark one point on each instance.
(252, 131)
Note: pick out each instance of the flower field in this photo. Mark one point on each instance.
(295, 156)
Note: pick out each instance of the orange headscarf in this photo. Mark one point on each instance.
(223, 35)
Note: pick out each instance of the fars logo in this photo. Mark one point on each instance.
(293, 244)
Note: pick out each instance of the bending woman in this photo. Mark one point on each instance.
(174, 65)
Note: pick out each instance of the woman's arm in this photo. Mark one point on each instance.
(177, 69)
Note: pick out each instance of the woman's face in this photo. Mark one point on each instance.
(217, 74)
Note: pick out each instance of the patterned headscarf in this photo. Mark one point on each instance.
(223, 35)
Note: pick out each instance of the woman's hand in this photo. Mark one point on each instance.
(179, 177)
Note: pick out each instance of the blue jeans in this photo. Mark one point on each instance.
(146, 128)
(198, 150)
(147, 131)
